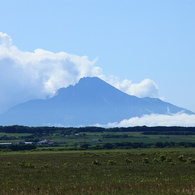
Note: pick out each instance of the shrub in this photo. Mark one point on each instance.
(127, 160)
(169, 159)
(145, 160)
(8, 163)
(26, 165)
(46, 165)
(65, 164)
(181, 158)
(155, 160)
(172, 163)
(111, 162)
(96, 162)
(162, 158)
(191, 160)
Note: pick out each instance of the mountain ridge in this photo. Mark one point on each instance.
(90, 101)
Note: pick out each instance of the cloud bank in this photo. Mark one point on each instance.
(179, 119)
(39, 74)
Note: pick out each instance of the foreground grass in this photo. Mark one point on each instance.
(149, 171)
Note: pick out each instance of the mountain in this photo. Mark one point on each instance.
(89, 102)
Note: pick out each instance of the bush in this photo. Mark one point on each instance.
(145, 160)
(26, 165)
(111, 162)
(22, 147)
(191, 160)
(181, 158)
(96, 162)
(127, 160)
(162, 158)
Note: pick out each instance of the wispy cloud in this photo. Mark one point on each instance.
(179, 119)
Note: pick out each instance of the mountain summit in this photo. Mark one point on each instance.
(89, 102)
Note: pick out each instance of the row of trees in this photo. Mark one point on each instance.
(119, 145)
(131, 145)
(160, 130)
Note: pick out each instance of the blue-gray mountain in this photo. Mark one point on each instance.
(89, 102)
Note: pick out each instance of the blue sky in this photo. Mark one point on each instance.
(131, 39)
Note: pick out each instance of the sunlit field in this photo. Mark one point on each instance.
(134, 171)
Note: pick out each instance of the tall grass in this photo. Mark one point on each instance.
(118, 172)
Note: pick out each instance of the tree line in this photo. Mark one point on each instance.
(160, 130)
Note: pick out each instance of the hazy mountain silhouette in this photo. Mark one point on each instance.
(89, 102)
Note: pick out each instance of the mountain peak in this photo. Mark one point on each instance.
(90, 101)
(91, 87)
(91, 82)
(89, 79)
(92, 91)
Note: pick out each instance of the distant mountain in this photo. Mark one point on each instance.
(89, 102)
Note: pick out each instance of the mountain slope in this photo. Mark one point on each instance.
(89, 102)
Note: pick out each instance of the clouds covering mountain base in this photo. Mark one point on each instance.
(179, 119)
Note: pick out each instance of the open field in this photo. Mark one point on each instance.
(131, 137)
(100, 138)
(94, 160)
(135, 171)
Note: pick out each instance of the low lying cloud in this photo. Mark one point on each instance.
(180, 119)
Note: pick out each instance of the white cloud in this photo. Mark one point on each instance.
(5, 40)
(39, 74)
(180, 119)
(146, 88)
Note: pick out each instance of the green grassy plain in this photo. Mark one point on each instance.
(135, 171)
(132, 137)
(15, 134)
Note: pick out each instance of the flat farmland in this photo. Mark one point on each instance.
(135, 171)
